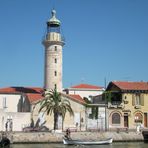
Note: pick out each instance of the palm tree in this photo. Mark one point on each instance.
(53, 103)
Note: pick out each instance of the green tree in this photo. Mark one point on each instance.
(53, 103)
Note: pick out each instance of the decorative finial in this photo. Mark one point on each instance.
(53, 13)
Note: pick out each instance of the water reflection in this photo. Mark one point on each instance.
(114, 145)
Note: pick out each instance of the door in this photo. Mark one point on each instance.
(145, 120)
(125, 119)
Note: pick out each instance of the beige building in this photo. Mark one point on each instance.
(127, 104)
(76, 122)
(87, 117)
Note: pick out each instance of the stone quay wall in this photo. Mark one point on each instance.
(56, 137)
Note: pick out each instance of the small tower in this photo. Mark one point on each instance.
(53, 43)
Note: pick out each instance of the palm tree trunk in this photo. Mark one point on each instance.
(55, 120)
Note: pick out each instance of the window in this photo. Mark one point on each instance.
(4, 102)
(137, 99)
(138, 118)
(55, 60)
(115, 118)
(55, 48)
(55, 73)
(55, 86)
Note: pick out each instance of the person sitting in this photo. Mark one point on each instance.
(67, 136)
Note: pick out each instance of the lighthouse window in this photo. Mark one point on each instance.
(55, 86)
(55, 48)
(55, 60)
(55, 73)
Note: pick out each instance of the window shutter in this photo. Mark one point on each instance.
(142, 99)
(133, 99)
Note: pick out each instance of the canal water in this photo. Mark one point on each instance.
(113, 145)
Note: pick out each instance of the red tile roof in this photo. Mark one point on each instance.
(21, 90)
(33, 93)
(34, 97)
(131, 85)
(77, 98)
(86, 86)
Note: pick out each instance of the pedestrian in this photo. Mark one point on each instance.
(6, 126)
(11, 125)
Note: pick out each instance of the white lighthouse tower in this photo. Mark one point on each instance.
(53, 43)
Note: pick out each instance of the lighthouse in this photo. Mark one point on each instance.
(53, 43)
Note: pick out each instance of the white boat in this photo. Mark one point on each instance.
(77, 142)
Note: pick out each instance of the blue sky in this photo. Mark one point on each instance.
(104, 39)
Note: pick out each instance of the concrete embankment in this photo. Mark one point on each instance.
(48, 137)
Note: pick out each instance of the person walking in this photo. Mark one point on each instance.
(6, 126)
(11, 125)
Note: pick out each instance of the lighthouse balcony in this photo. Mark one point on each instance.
(55, 37)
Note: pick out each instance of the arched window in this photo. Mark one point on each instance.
(138, 118)
(115, 118)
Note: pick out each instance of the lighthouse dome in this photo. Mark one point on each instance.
(53, 22)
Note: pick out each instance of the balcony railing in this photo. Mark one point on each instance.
(116, 102)
(53, 37)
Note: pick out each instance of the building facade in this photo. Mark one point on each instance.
(85, 90)
(127, 104)
(76, 122)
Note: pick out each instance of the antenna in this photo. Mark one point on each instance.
(105, 82)
(53, 4)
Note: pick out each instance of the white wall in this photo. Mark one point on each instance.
(10, 101)
(86, 93)
(9, 112)
(19, 120)
(97, 123)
